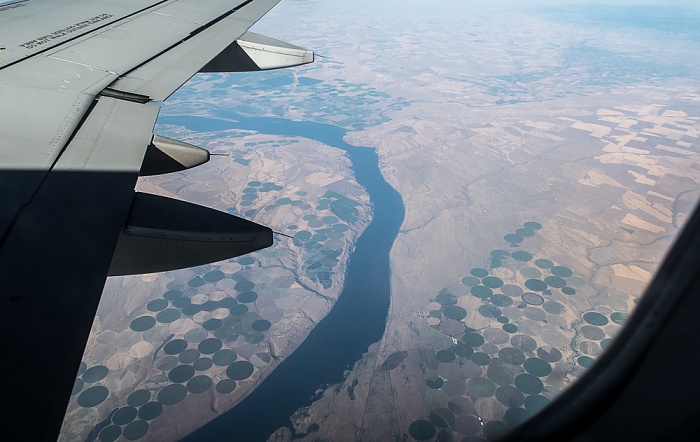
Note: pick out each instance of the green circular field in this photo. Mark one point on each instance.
(225, 386)
(261, 325)
(150, 410)
(536, 285)
(509, 396)
(528, 384)
(521, 256)
(525, 232)
(512, 290)
(595, 318)
(199, 384)
(470, 281)
(454, 312)
(110, 433)
(244, 286)
(516, 416)
(537, 367)
(462, 350)
(143, 323)
(561, 271)
(479, 272)
(302, 235)
(172, 294)
(189, 356)
(481, 291)
(501, 300)
(568, 291)
(239, 309)
(224, 357)
(156, 305)
(535, 402)
(421, 430)
(481, 387)
(555, 282)
(532, 298)
(181, 373)
(202, 364)
(209, 346)
(135, 430)
(500, 375)
(240, 370)
(212, 324)
(445, 356)
(544, 263)
(510, 328)
(168, 315)
(138, 398)
(585, 361)
(513, 238)
(124, 415)
(175, 346)
(446, 298)
(492, 282)
(214, 276)
(434, 383)
(94, 374)
(619, 318)
(172, 394)
(196, 282)
(93, 396)
(489, 311)
(511, 355)
(473, 339)
(481, 359)
(247, 297)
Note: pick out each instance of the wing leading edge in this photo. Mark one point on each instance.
(76, 130)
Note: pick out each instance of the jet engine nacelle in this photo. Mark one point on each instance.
(165, 234)
(165, 155)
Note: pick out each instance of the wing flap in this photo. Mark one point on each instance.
(114, 138)
(54, 260)
(30, 146)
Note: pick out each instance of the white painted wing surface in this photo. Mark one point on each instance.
(77, 82)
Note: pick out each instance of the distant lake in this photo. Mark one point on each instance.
(359, 316)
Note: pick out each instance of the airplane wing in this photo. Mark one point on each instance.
(79, 85)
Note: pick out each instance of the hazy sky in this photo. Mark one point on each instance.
(531, 3)
(684, 3)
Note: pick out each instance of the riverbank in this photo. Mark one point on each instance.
(359, 316)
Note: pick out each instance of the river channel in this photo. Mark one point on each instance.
(355, 322)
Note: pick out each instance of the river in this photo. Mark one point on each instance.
(355, 322)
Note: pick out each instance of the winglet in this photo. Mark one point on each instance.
(255, 52)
